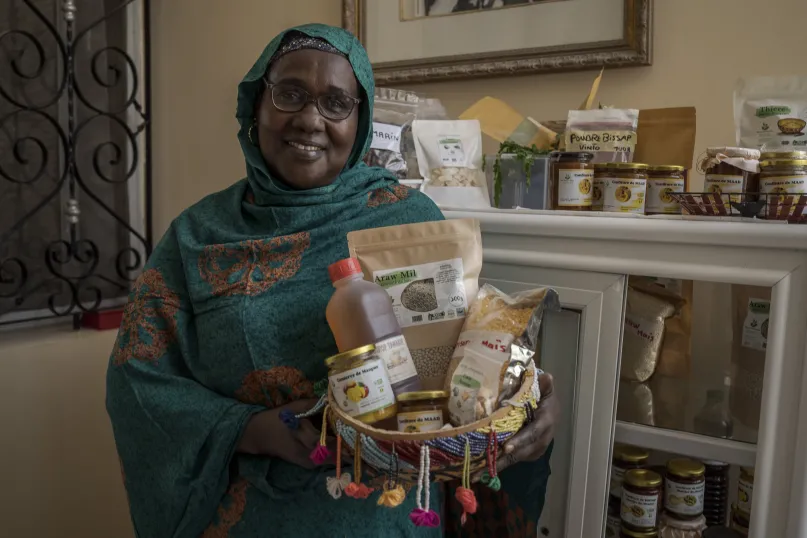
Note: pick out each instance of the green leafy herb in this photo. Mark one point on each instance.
(525, 155)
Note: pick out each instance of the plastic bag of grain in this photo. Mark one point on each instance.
(431, 272)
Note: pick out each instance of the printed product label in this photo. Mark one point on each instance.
(395, 354)
(682, 498)
(726, 185)
(574, 187)
(427, 293)
(640, 510)
(420, 421)
(775, 125)
(745, 495)
(781, 187)
(363, 389)
(658, 195)
(451, 152)
(612, 526)
(596, 194)
(624, 195)
(491, 344)
(386, 136)
(471, 395)
(612, 141)
(617, 477)
(755, 326)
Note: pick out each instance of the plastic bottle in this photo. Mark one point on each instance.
(360, 313)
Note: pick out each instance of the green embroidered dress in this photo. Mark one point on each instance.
(228, 319)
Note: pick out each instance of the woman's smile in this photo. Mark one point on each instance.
(305, 151)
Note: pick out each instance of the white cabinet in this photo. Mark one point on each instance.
(587, 258)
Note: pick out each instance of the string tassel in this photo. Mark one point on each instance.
(490, 477)
(321, 453)
(357, 490)
(422, 516)
(464, 494)
(393, 494)
(336, 485)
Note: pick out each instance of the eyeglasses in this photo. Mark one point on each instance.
(290, 98)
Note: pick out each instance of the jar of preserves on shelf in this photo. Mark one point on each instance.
(360, 385)
(740, 521)
(661, 181)
(572, 180)
(672, 527)
(684, 488)
(716, 498)
(624, 188)
(745, 491)
(629, 533)
(625, 458)
(783, 155)
(600, 171)
(641, 500)
(730, 172)
(613, 523)
(782, 177)
(422, 411)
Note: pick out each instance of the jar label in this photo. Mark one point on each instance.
(420, 421)
(574, 187)
(427, 293)
(755, 326)
(780, 187)
(638, 510)
(686, 499)
(386, 137)
(724, 183)
(658, 195)
(745, 495)
(395, 354)
(451, 151)
(596, 194)
(624, 195)
(617, 477)
(363, 389)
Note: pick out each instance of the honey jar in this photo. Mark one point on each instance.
(684, 488)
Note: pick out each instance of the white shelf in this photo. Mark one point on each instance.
(686, 444)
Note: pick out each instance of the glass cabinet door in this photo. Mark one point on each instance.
(580, 349)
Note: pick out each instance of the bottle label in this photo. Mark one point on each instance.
(420, 421)
(658, 195)
(574, 187)
(779, 187)
(395, 354)
(624, 195)
(617, 477)
(724, 184)
(686, 499)
(755, 326)
(427, 293)
(745, 495)
(638, 510)
(363, 389)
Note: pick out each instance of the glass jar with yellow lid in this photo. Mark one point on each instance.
(641, 500)
(624, 187)
(626, 457)
(661, 181)
(779, 178)
(360, 385)
(422, 411)
(784, 155)
(684, 488)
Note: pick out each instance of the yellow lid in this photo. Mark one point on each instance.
(626, 166)
(624, 531)
(351, 354)
(422, 395)
(643, 478)
(666, 168)
(778, 155)
(686, 468)
(780, 162)
(630, 454)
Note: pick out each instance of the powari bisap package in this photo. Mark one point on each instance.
(431, 273)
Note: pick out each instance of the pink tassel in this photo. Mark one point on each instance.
(358, 491)
(467, 499)
(424, 518)
(320, 455)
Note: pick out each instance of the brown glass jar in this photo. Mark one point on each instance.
(641, 500)
(730, 172)
(684, 488)
(571, 181)
(625, 458)
(628, 533)
(661, 181)
(422, 411)
(624, 187)
(782, 177)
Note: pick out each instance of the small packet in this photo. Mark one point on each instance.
(449, 157)
(608, 133)
(643, 335)
(474, 388)
(770, 113)
(393, 146)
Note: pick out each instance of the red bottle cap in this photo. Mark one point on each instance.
(343, 269)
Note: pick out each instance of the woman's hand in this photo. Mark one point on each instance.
(267, 435)
(532, 441)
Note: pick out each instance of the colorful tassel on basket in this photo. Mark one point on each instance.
(423, 516)
(356, 489)
(490, 477)
(321, 453)
(337, 484)
(465, 494)
(393, 494)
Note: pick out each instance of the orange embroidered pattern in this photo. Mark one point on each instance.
(230, 516)
(275, 387)
(252, 267)
(387, 195)
(149, 320)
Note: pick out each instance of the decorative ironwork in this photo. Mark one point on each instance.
(75, 185)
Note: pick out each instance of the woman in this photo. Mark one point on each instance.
(225, 328)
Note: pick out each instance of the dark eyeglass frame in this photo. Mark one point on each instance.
(311, 99)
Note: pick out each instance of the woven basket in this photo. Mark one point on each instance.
(447, 447)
